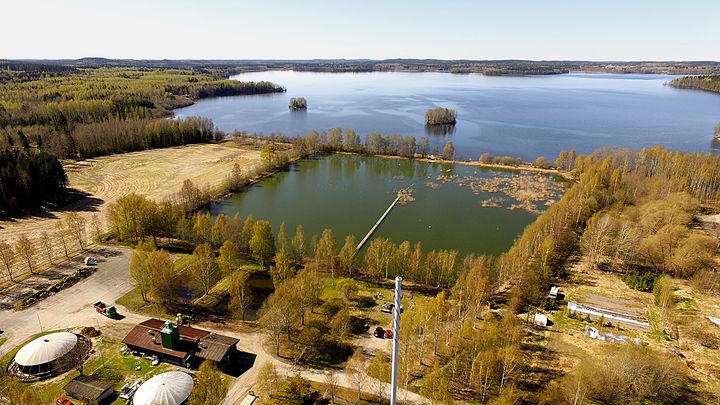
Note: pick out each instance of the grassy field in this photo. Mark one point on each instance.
(157, 174)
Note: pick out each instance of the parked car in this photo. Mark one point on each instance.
(388, 334)
(379, 332)
(89, 261)
(107, 310)
(63, 401)
(127, 391)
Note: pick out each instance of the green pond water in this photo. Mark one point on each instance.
(349, 193)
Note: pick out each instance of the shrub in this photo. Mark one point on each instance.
(641, 282)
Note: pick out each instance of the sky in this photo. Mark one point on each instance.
(364, 29)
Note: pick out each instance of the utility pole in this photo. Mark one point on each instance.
(397, 308)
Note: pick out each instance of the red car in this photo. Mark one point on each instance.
(63, 401)
(388, 334)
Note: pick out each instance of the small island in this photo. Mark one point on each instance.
(717, 131)
(440, 116)
(298, 103)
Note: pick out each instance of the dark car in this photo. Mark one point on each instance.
(379, 332)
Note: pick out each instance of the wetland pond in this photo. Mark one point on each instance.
(467, 208)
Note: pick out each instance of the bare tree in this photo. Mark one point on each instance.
(25, 249)
(358, 378)
(96, 226)
(7, 255)
(240, 294)
(204, 267)
(76, 226)
(331, 380)
(61, 234)
(47, 245)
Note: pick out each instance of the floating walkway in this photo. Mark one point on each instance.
(379, 221)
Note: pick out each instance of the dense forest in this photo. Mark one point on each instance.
(28, 177)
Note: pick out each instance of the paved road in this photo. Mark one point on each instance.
(72, 308)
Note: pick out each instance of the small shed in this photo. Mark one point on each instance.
(554, 290)
(90, 390)
(540, 320)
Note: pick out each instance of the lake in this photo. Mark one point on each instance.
(455, 206)
(519, 116)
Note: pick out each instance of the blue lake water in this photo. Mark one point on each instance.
(519, 116)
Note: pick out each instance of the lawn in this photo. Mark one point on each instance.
(106, 363)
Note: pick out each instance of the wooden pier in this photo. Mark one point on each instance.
(379, 221)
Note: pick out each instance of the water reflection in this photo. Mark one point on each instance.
(440, 129)
(515, 116)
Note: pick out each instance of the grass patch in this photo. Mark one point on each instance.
(688, 304)
(108, 364)
(210, 300)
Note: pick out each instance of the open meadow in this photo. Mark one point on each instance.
(157, 174)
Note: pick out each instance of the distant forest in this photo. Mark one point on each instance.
(223, 67)
(51, 112)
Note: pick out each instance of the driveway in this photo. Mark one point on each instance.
(72, 306)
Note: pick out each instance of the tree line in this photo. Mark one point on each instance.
(70, 115)
(29, 178)
(629, 186)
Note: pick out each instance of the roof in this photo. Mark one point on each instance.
(46, 349)
(171, 388)
(186, 332)
(142, 335)
(87, 388)
(214, 347)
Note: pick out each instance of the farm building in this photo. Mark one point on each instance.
(171, 388)
(89, 390)
(49, 355)
(179, 344)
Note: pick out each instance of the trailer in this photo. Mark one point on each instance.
(106, 310)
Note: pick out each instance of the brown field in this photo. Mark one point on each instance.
(691, 335)
(157, 174)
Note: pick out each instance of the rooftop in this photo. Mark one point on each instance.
(214, 347)
(207, 345)
(86, 387)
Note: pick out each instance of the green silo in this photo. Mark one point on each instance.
(170, 335)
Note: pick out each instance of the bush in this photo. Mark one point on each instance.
(641, 282)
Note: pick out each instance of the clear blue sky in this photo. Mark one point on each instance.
(375, 29)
